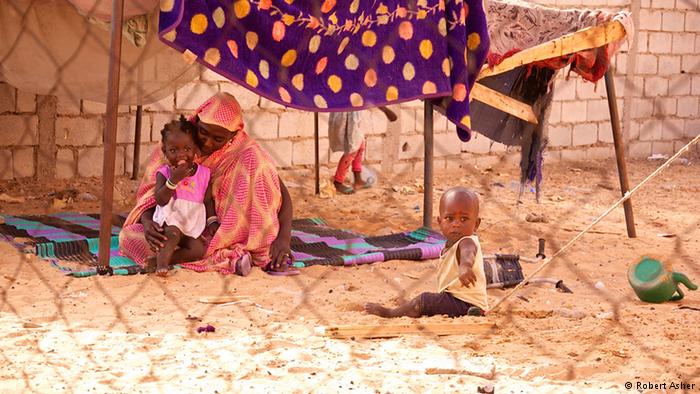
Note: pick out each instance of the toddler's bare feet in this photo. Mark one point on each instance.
(149, 266)
(376, 309)
(162, 269)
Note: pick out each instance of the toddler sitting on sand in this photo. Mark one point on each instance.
(461, 279)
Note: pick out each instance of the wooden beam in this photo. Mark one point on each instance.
(389, 330)
(500, 101)
(592, 37)
(222, 299)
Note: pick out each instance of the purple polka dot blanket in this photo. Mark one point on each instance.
(337, 55)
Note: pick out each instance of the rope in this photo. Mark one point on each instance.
(590, 226)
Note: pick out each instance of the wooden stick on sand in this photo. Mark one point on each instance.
(389, 330)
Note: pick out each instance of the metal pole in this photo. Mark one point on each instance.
(110, 137)
(137, 143)
(619, 151)
(316, 149)
(428, 164)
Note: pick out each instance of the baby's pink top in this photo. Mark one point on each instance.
(193, 188)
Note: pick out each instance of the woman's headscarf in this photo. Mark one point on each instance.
(222, 109)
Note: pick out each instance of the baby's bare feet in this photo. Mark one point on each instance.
(162, 268)
(149, 265)
(376, 309)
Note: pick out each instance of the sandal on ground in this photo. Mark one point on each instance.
(244, 265)
(343, 188)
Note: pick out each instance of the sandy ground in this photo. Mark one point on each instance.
(138, 333)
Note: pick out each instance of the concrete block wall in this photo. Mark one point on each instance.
(657, 80)
(657, 77)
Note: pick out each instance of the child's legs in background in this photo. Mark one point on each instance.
(359, 156)
(353, 159)
(190, 250)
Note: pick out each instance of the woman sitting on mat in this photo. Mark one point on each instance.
(253, 206)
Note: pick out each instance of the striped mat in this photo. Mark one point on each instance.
(70, 242)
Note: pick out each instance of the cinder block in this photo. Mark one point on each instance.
(271, 105)
(79, 131)
(486, 161)
(565, 90)
(18, 130)
(584, 134)
(649, 19)
(650, 130)
(692, 21)
(247, 99)
(642, 108)
(303, 152)
(478, 144)
(91, 159)
(687, 107)
(587, 90)
(655, 86)
(664, 106)
(639, 149)
(605, 134)
(573, 155)
(7, 98)
(632, 133)
(554, 113)
(600, 152)
(211, 76)
(263, 125)
(407, 120)
(440, 123)
(573, 111)
(692, 128)
(667, 4)
(673, 21)
(413, 104)
(166, 104)
(23, 162)
(598, 110)
(673, 129)
(683, 42)
(68, 105)
(695, 86)
(192, 95)
(663, 148)
(686, 5)
(158, 122)
(5, 164)
(621, 62)
(402, 168)
(637, 84)
(647, 64)
(669, 65)
(380, 122)
(660, 42)
(126, 129)
(642, 40)
(97, 108)
(280, 150)
(146, 151)
(374, 150)
(446, 144)
(411, 147)
(559, 135)
(691, 64)
(679, 85)
(65, 164)
(294, 123)
(26, 102)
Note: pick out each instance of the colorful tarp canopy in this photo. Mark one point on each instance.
(343, 55)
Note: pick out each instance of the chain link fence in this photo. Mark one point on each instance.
(147, 334)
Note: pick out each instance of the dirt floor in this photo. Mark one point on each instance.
(138, 333)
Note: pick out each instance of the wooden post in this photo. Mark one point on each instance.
(428, 164)
(137, 143)
(110, 137)
(316, 159)
(619, 151)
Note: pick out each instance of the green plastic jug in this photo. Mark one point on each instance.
(653, 283)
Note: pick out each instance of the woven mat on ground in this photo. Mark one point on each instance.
(70, 242)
